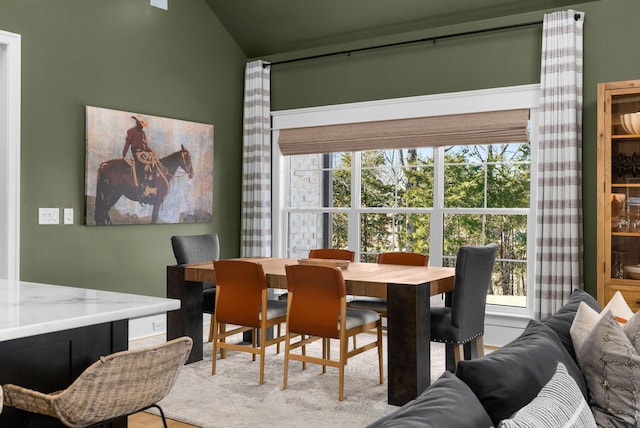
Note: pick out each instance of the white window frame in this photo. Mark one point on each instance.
(503, 323)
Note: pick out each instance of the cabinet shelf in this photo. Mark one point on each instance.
(625, 185)
(633, 234)
(626, 137)
(625, 281)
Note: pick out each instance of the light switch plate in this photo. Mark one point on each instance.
(160, 4)
(48, 216)
(68, 216)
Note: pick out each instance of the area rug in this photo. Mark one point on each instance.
(233, 398)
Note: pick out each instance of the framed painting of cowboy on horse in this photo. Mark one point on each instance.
(143, 169)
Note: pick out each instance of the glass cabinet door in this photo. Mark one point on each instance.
(624, 129)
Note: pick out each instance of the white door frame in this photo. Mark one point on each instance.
(10, 86)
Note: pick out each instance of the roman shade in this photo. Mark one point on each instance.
(493, 127)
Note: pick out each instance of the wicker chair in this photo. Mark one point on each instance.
(117, 385)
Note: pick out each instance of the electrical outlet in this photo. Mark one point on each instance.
(48, 216)
(68, 216)
(158, 325)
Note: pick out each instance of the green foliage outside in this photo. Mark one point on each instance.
(486, 180)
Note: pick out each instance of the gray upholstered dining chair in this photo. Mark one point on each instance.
(461, 321)
(117, 385)
(195, 249)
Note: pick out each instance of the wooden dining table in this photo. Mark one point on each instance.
(406, 288)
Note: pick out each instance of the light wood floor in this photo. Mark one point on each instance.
(147, 420)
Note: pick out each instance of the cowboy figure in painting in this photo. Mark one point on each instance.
(144, 160)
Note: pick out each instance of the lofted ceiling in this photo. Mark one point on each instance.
(268, 27)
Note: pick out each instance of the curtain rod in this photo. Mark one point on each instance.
(407, 42)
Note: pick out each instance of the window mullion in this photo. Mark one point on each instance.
(355, 209)
(436, 244)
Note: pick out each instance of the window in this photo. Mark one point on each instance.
(424, 199)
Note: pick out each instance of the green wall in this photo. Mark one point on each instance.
(124, 55)
(503, 58)
(181, 63)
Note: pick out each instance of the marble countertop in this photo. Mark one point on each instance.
(28, 309)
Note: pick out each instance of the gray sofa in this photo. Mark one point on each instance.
(485, 391)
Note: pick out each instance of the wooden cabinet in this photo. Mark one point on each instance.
(619, 191)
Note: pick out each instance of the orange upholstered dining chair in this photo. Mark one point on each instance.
(317, 310)
(332, 253)
(392, 258)
(241, 300)
(329, 254)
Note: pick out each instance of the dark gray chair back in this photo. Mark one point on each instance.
(195, 248)
(473, 277)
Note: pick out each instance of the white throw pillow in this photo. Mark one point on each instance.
(586, 318)
(559, 404)
(619, 307)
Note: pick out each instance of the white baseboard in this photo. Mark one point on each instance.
(500, 328)
(147, 326)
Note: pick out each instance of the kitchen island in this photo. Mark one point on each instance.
(49, 334)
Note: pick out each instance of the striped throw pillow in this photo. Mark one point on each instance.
(559, 404)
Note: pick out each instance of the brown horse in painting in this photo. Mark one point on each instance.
(115, 178)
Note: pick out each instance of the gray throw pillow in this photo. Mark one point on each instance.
(632, 330)
(448, 402)
(561, 321)
(508, 379)
(558, 404)
(611, 366)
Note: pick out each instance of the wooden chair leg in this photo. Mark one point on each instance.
(222, 328)
(214, 353)
(325, 352)
(287, 339)
(343, 359)
(468, 350)
(380, 363)
(474, 349)
(452, 354)
(480, 346)
(254, 338)
(210, 339)
(263, 341)
(304, 352)
(458, 354)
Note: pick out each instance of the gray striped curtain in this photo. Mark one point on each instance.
(256, 162)
(559, 246)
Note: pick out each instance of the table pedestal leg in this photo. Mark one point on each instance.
(186, 321)
(408, 341)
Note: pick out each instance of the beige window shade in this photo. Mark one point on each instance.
(496, 127)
